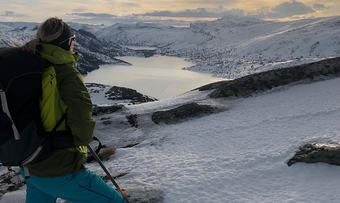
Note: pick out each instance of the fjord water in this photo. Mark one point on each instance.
(157, 76)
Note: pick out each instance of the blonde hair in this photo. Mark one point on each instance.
(50, 30)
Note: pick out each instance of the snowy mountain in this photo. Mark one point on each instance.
(93, 52)
(15, 34)
(236, 153)
(236, 46)
(231, 47)
(228, 141)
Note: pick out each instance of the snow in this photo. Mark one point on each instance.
(15, 34)
(137, 48)
(235, 46)
(237, 155)
(230, 47)
(99, 97)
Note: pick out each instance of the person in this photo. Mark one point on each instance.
(62, 174)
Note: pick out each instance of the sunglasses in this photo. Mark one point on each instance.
(70, 39)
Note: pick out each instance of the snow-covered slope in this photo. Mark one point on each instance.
(232, 46)
(236, 46)
(151, 34)
(237, 155)
(15, 34)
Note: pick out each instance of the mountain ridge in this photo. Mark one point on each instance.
(93, 52)
(233, 47)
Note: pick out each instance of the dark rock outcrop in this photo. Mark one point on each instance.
(181, 113)
(314, 153)
(101, 110)
(10, 182)
(107, 122)
(250, 84)
(95, 85)
(118, 94)
(132, 119)
(123, 93)
(95, 52)
(145, 53)
(145, 195)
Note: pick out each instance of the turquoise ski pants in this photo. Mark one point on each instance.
(79, 187)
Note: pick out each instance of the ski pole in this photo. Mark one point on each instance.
(109, 175)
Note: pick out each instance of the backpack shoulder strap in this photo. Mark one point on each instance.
(5, 109)
(63, 118)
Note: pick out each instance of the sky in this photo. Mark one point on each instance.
(109, 10)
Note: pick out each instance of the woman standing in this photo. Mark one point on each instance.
(65, 100)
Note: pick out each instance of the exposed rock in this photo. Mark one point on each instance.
(88, 62)
(132, 119)
(123, 93)
(131, 145)
(246, 86)
(180, 113)
(144, 195)
(105, 118)
(10, 182)
(95, 52)
(117, 94)
(314, 153)
(104, 154)
(101, 110)
(95, 88)
(145, 53)
(91, 85)
(107, 122)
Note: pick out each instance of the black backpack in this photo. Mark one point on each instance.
(22, 136)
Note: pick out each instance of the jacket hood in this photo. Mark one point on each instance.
(57, 55)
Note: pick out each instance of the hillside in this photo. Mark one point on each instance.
(93, 52)
(236, 46)
(230, 47)
(237, 152)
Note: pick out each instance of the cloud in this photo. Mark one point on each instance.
(92, 15)
(11, 14)
(196, 13)
(318, 6)
(131, 5)
(79, 10)
(38, 10)
(286, 9)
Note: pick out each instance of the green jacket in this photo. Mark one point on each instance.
(64, 91)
